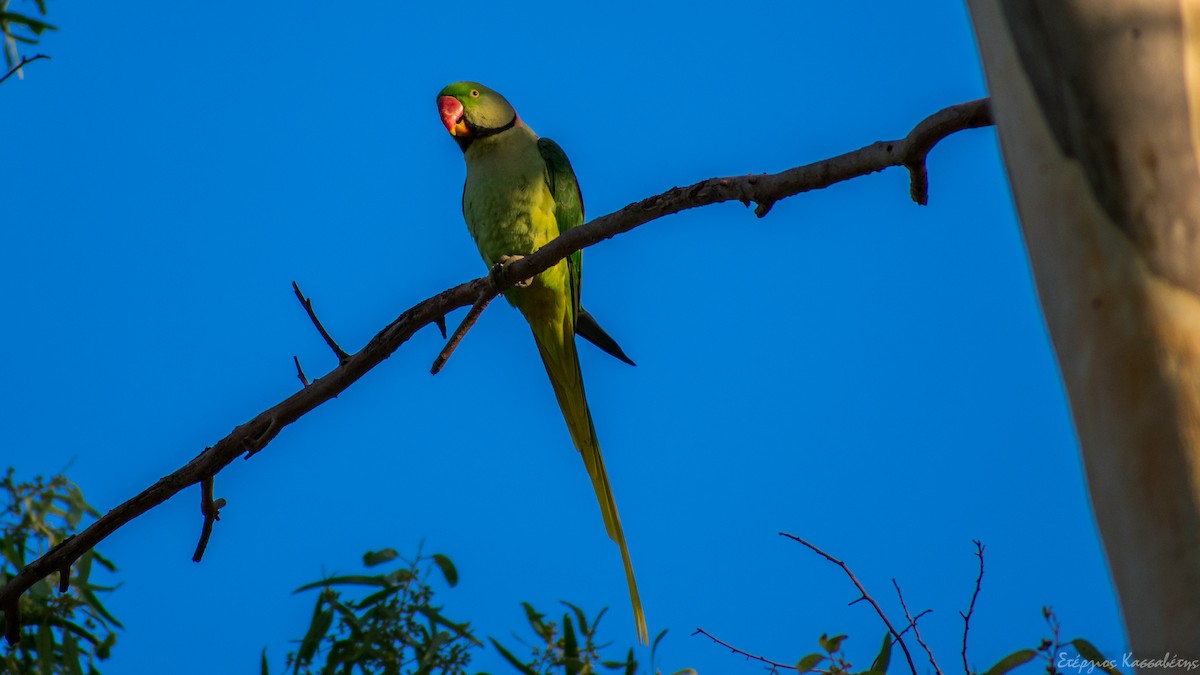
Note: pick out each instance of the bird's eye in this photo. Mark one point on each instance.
(474, 93)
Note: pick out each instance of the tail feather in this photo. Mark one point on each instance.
(556, 344)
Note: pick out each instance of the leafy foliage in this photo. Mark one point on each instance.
(21, 27)
(394, 628)
(562, 647)
(61, 632)
(571, 647)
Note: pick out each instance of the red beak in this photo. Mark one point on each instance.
(451, 110)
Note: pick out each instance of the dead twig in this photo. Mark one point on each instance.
(864, 595)
(752, 657)
(468, 321)
(912, 622)
(341, 355)
(24, 62)
(971, 608)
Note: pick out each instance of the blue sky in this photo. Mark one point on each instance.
(854, 369)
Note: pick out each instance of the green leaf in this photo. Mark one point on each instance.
(35, 25)
(580, 617)
(831, 644)
(685, 671)
(350, 580)
(376, 597)
(430, 653)
(70, 655)
(654, 646)
(72, 627)
(45, 648)
(373, 558)
(516, 663)
(809, 662)
(103, 649)
(447, 569)
(536, 623)
(885, 655)
(91, 599)
(399, 577)
(570, 647)
(321, 621)
(264, 669)
(1017, 658)
(1089, 652)
(631, 663)
(83, 568)
(348, 615)
(104, 562)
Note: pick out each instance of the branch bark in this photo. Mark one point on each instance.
(252, 436)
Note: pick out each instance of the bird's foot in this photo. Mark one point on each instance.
(505, 261)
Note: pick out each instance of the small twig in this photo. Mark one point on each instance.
(24, 61)
(865, 596)
(916, 631)
(440, 322)
(748, 655)
(341, 355)
(971, 608)
(300, 371)
(468, 321)
(212, 512)
(913, 622)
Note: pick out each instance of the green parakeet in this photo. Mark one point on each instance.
(519, 194)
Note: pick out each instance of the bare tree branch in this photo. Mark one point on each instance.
(912, 623)
(25, 60)
(775, 665)
(255, 434)
(971, 609)
(865, 596)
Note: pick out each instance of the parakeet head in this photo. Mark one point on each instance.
(471, 111)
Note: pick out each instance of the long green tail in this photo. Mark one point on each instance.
(556, 343)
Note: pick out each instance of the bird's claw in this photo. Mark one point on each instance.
(505, 261)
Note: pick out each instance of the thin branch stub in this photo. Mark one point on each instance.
(300, 371)
(211, 509)
(460, 332)
(341, 355)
